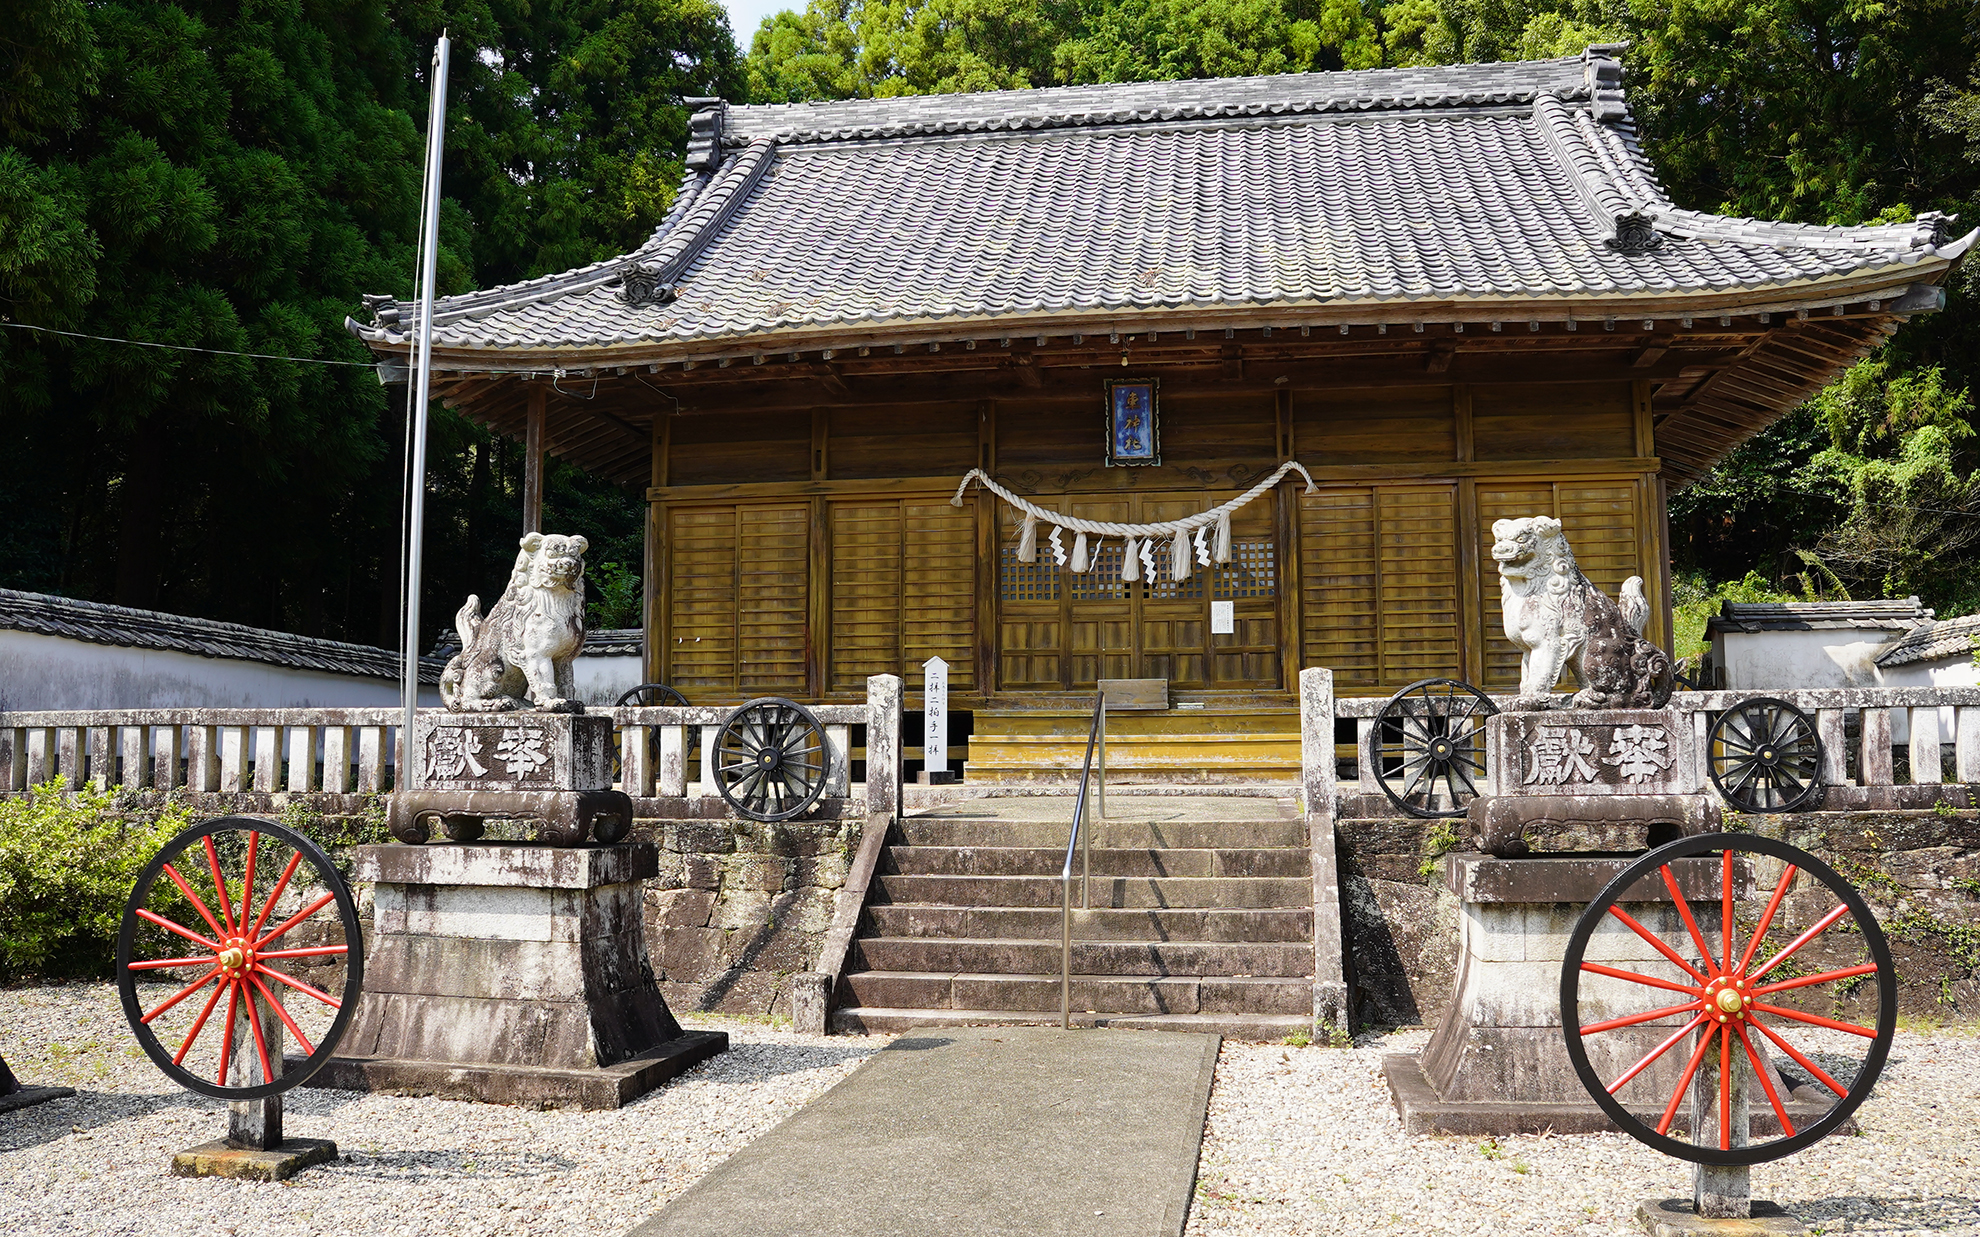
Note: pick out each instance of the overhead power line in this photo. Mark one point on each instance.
(145, 343)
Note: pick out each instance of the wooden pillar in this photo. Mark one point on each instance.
(533, 464)
(657, 566)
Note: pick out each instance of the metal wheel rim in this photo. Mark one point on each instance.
(326, 875)
(1440, 738)
(760, 760)
(1756, 746)
(1573, 964)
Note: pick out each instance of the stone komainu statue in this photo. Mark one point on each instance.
(1561, 621)
(521, 654)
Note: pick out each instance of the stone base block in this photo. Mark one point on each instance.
(1674, 1217)
(28, 1097)
(525, 1086)
(1423, 1112)
(220, 1158)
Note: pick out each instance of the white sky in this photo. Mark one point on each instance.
(746, 15)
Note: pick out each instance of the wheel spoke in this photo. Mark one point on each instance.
(1657, 944)
(1765, 1076)
(314, 951)
(182, 993)
(219, 884)
(299, 985)
(297, 918)
(247, 881)
(188, 933)
(1805, 981)
(282, 1013)
(1469, 785)
(1725, 1090)
(1691, 925)
(199, 1022)
(260, 1044)
(1726, 904)
(1417, 780)
(199, 903)
(1684, 1084)
(1820, 927)
(1631, 1020)
(275, 894)
(1813, 1069)
(1658, 1051)
(1767, 919)
(162, 963)
(1633, 977)
(1816, 1020)
(227, 1032)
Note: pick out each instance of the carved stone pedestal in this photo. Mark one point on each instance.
(554, 768)
(511, 973)
(1497, 1063)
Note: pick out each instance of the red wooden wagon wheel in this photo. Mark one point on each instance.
(251, 918)
(1729, 1003)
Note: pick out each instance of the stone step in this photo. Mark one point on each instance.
(1043, 923)
(1115, 891)
(1263, 1028)
(1113, 861)
(1117, 994)
(995, 956)
(1264, 831)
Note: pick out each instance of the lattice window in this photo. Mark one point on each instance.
(1102, 581)
(1162, 588)
(1037, 581)
(1252, 571)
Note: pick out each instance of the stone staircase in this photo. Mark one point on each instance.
(1197, 924)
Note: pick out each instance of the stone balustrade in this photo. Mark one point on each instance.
(329, 753)
(1859, 765)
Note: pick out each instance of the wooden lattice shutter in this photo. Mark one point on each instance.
(903, 590)
(1380, 581)
(737, 597)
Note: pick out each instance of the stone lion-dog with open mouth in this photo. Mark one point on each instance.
(1561, 622)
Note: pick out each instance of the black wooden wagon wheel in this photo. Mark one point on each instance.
(1430, 746)
(1744, 1004)
(250, 918)
(1764, 756)
(648, 695)
(770, 759)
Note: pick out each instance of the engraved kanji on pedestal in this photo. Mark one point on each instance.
(551, 767)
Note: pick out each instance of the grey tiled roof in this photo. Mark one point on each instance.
(1741, 616)
(125, 627)
(1930, 641)
(1380, 191)
(599, 642)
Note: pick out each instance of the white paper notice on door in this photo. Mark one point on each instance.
(1223, 618)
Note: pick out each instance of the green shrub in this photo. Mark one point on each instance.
(67, 864)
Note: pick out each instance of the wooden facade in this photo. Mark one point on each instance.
(795, 552)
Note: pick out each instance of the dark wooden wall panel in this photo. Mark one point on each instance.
(931, 440)
(718, 450)
(1375, 426)
(1553, 421)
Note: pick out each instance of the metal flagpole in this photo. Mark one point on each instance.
(429, 243)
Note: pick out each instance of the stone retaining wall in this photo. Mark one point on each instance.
(1919, 870)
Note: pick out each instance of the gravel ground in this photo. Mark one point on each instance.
(1299, 1141)
(1307, 1141)
(99, 1162)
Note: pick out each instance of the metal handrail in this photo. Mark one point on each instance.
(1081, 841)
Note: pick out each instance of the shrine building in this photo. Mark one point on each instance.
(1450, 294)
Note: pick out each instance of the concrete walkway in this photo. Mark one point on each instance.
(976, 1131)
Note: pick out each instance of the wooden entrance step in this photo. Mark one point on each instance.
(1258, 744)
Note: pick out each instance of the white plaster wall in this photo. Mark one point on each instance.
(52, 672)
(1773, 660)
(602, 680)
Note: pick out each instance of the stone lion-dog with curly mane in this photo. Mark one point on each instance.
(1561, 622)
(521, 654)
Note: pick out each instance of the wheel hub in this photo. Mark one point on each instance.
(766, 760)
(1727, 999)
(236, 957)
(1441, 749)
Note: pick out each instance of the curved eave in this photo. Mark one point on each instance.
(1898, 286)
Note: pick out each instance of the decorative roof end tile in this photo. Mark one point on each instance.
(705, 126)
(1635, 233)
(1604, 74)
